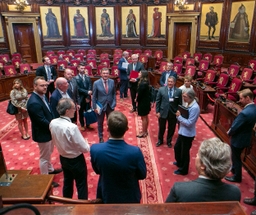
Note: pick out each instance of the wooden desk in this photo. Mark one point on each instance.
(27, 188)
(223, 118)
(202, 96)
(219, 208)
(154, 79)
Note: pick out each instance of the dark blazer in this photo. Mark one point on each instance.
(54, 99)
(241, 128)
(83, 87)
(163, 77)
(122, 71)
(40, 117)
(40, 71)
(99, 94)
(162, 101)
(75, 94)
(203, 190)
(139, 67)
(120, 166)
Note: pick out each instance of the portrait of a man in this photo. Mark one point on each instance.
(211, 21)
(51, 23)
(78, 22)
(240, 21)
(1, 32)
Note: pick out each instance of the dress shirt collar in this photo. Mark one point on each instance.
(248, 104)
(204, 177)
(192, 103)
(112, 138)
(66, 118)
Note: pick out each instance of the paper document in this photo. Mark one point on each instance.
(99, 107)
(125, 65)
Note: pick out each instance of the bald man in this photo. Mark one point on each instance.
(61, 91)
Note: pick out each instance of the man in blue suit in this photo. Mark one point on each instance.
(119, 164)
(40, 114)
(241, 133)
(104, 92)
(61, 91)
(49, 73)
(165, 75)
(123, 75)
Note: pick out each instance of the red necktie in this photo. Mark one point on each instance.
(106, 86)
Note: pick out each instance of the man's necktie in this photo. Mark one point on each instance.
(106, 86)
(45, 102)
(49, 73)
(70, 86)
(170, 92)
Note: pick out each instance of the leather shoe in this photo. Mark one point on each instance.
(158, 144)
(232, 179)
(89, 127)
(169, 145)
(251, 201)
(101, 140)
(178, 172)
(253, 213)
(55, 184)
(175, 163)
(55, 171)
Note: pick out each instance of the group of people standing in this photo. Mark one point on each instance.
(54, 123)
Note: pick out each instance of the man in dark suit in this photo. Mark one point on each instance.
(84, 86)
(167, 101)
(165, 75)
(40, 114)
(104, 93)
(49, 73)
(241, 133)
(68, 74)
(137, 67)
(123, 76)
(213, 161)
(252, 201)
(61, 91)
(119, 165)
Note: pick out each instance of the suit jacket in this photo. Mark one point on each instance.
(83, 87)
(74, 90)
(122, 71)
(120, 166)
(162, 101)
(99, 94)
(163, 77)
(138, 68)
(40, 117)
(54, 99)
(241, 128)
(203, 190)
(40, 71)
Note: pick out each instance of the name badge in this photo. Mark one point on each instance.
(171, 99)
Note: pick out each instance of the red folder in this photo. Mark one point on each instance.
(134, 74)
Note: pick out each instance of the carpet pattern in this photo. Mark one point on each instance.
(22, 154)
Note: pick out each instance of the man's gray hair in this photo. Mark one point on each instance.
(64, 104)
(216, 157)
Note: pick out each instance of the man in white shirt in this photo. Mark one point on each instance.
(71, 145)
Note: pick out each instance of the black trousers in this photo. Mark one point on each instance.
(50, 89)
(74, 169)
(133, 91)
(172, 120)
(236, 162)
(181, 152)
(84, 106)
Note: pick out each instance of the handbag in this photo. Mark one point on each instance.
(90, 117)
(11, 109)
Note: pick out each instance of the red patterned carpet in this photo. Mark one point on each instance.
(21, 154)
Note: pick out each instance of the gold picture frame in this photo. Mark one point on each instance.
(105, 22)
(1, 31)
(51, 23)
(78, 23)
(240, 26)
(211, 21)
(156, 17)
(130, 22)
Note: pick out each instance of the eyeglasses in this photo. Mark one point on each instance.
(43, 85)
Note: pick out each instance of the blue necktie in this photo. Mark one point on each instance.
(170, 92)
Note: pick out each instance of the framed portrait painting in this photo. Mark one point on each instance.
(105, 23)
(78, 22)
(156, 22)
(51, 23)
(241, 21)
(1, 31)
(130, 22)
(211, 21)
